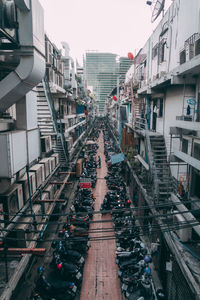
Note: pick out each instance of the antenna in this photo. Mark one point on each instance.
(157, 8)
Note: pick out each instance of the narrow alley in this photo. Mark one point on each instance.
(99, 150)
(100, 280)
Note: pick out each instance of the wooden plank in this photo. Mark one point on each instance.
(25, 250)
(63, 173)
(50, 201)
(60, 182)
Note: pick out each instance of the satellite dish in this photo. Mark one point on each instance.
(157, 9)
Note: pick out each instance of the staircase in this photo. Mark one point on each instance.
(137, 104)
(44, 117)
(47, 121)
(162, 166)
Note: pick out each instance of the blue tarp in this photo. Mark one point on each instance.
(117, 158)
(80, 109)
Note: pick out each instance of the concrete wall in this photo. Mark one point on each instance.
(180, 22)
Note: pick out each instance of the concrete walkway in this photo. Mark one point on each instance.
(100, 279)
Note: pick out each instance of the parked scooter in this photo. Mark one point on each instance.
(57, 289)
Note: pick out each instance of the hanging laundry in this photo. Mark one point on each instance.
(188, 110)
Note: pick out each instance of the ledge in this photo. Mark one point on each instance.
(195, 163)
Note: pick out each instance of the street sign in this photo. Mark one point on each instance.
(117, 158)
(85, 183)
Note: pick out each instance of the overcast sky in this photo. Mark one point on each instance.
(117, 26)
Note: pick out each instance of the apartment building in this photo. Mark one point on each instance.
(161, 137)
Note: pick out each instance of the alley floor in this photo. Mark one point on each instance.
(100, 279)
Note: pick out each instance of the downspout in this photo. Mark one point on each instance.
(31, 68)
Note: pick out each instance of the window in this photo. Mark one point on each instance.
(196, 183)
(196, 151)
(185, 146)
(161, 108)
(197, 47)
(162, 51)
(155, 51)
(182, 57)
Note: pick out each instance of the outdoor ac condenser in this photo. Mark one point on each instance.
(184, 234)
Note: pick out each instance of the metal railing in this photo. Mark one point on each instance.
(141, 124)
(50, 102)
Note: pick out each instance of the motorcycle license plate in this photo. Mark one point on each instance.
(81, 260)
(78, 276)
(124, 287)
(74, 289)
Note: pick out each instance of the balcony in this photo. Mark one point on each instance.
(195, 163)
(186, 122)
(73, 127)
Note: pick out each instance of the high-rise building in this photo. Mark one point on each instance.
(101, 72)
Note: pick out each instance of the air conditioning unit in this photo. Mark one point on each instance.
(12, 201)
(45, 162)
(48, 194)
(52, 163)
(49, 53)
(23, 233)
(43, 173)
(37, 170)
(184, 234)
(56, 155)
(46, 145)
(24, 182)
(69, 141)
(13, 152)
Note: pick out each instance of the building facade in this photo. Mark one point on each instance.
(161, 140)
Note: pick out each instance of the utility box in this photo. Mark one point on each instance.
(13, 152)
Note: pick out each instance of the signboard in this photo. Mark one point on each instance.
(191, 102)
(117, 158)
(85, 183)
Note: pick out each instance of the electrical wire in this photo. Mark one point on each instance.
(146, 207)
(154, 229)
(105, 221)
